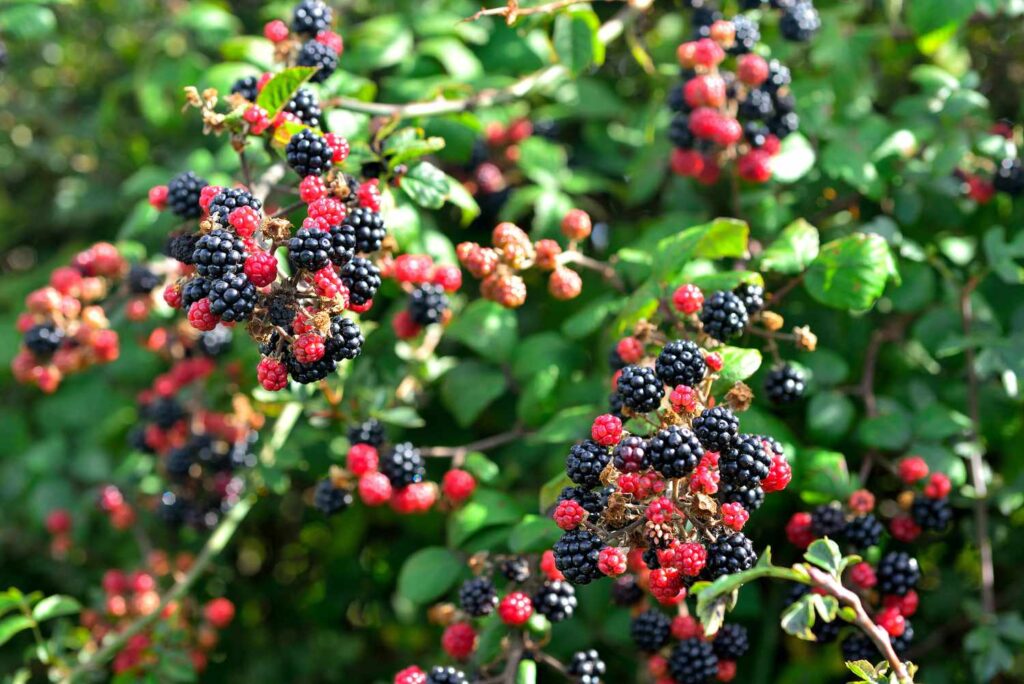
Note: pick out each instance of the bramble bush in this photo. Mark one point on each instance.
(426, 343)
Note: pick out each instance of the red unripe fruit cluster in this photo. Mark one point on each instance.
(515, 609)
(606, 430)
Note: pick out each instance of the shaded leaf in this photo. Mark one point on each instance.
(428, 573)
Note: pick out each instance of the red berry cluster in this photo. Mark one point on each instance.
(492, 169)
(428, 285)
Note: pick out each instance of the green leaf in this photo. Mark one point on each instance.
(723, 237)
(798, 618)
(851, 272)
(888, 431)
(542, 161)
(830, 415)
(576, 41)
(483, 469)
(469, 388)
(795, 158)
(534, 534)
(408, 144)
(552, 488)
(487, 328)
(825, 554)
(27, 23)
(1000, 254)
(12, 625)
(402, 416)
(590, 317)
(737, 364)
(426, 185)
(55, 606)
(567, 425)
(823, 476)
(863, 669)
(794, 250)
(487, 508)
(282, 87)
(428, 574)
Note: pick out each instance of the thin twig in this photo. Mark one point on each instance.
(512, 11)
(287, 210)
(606, 270)
(459, 453)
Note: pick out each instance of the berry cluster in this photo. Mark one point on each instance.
(384, 473)
(492, 166)
(989, 176)
(512, 252)
(740, 114)
(65, 328)
(428, 286)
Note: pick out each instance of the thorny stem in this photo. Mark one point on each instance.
(512, 11)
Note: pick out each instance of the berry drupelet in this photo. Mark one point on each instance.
(640, 388)
(724, 316)
(183, 194)
(784, 384)
(681, 362)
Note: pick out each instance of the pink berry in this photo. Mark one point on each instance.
(275, 31)
(913, 469)
(158, 197)
(734, 516)
(606, 430)
(459, 640)
(375, 489)
(219, 612)
(458, 485)
(312, 188)
(272, 374)
(612, 561)
(261, 268)
(515, 609)
(362, 459)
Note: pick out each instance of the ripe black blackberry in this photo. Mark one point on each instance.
(309, 154)
(345, 340)
(674, 451)
(343, 244)
(219, 253)
(329, 499)
(755, 133)
(171, 509)
(615, 361)
(232, 298)
(784, 384)
(141, 280)
(863, 531)
(585, 462)
(724, 315)
(681, 362)
(752, 297)
(679, 133)
(362, 279)
(703, 17)
(44, 339)
(318, 55)
(716, 428)
(615, 405)
(427, 304)
(758, 105)
(692, 661)
(783, 125)
(750, 496)
(730, 553)
(555, 600)
(193, 290)
(676, 102)
(164, 412)
(306, 373)
(446, 675)
(902, 643)
(626, 592)
(310, 17)
(650, 630)
(229, 199)
(593, 501)
(310, 249)
(305, 105)
(748, 35)
(800, 22)
(369, 229)
(403, 465)
(898, 573)
(779, 76)
(731, 642)
(478, 597)
(1009, 177)
(181, 247)
(183, 194)
(281, 311)
(640, 388)
(744, 462)
(630, 454)
(650, 558)
(247, 87)
(369, 432)
(858, 647)
(586, 667)
(576, 555)
(828, 521)
(515, 569)
(178, 462)
(931, 514)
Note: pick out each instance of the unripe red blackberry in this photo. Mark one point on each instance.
(272, 374)
(688, 299)
(576, 225)
(515, 609)
(565, 283)
(458, 485)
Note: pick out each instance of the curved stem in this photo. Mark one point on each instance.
(458, 453)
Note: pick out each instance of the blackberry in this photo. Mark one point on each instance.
(310, 17)
(827, 521)
(369, 432)
(757, 105)
(593, 501)
(362, 279)
(576, 555)
(615, 405)
(703, 17)
(784, 103)
(586, 667)
(427, 304)
(723, 315)
(229, 199)
(750, 496)
(630, 454)
(281, 312)
(247, 87)
(716, 428)
(744, 462)
(779, 76)
(478, 597)
(446, 675)
(403, 465)
(1009, 177)
(194, 290)
(171, 509)
(782, 126)
(306, 107)
(679, 133)
(306, 373)
(826, 632)
(680, 362)
(729, 554)
(901, 644)
(626, 592)
(674, 451)
(141, 280)
(215, 342)
(178, 462)
(800, 22)
(732, 642)
(219, 253)
(748, 34)
(369, 229)
(183, 194)
(343, 244)
(318, 55)
(329, 499)
(585, 463)
(676, 102)
(515, 569)
(640, 388)
(164, 412)
(692, 661)
(898, 573)
(345, 340)
(555, 600)
(308, 153)
(615, 361)
(310, 249)
(650, 630)
(858, 647)
(931, 514)
(650, 558)
(755, 133)
(232, 298)
(784, 384)
(863, 531)
(181, 247)
(752, 297)
(43, 339)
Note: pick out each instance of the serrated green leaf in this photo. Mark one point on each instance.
(795, 159)
(851, 272)
(825, 554)
(575, 39)
(488, 508)
(487, 328)
(426, 185)
(798, 618)
(794, 249)
(483, 469)
(737, 364)
(280, 89)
